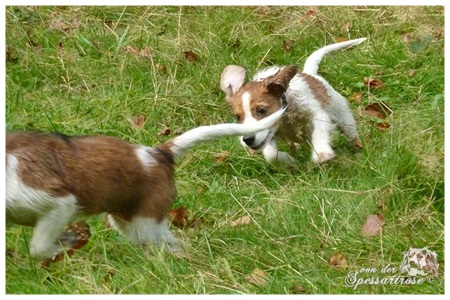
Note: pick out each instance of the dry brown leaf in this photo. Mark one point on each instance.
(160, 67)
(75, 237)
(257, 277)
(109, 275)
(412, 73)
(297, 289)
(131, 50)
(439, 33)
(373, 83)
(310, 13)
(10, 57)
(245, 220)
(407, 38)
(347, 27)
(65, 26)
(287, 45)
(190, 56)
(373, 225)
(178, 217)
(356, 97)
(109, 23)
(139, 121)
(146, 52)
(165, 131)
(338, 261)
(383, 125)
(221, 157)
(378, 109)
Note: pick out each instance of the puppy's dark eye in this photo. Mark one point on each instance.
(260, 111)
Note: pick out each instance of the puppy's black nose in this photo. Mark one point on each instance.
(249, 140)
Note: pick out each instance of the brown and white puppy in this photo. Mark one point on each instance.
(314, 107)
(53, 179)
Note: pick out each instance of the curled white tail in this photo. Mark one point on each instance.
(312, 62)
(202, 134)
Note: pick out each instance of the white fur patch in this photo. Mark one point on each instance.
(144, 155)
(267, 72)
(141, 230)
(24, 204)
(246, 107)
(32, 207)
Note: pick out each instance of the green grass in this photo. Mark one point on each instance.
(68, 70)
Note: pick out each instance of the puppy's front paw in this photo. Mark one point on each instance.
(322, 157)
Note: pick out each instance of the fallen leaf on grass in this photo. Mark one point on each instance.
(178, 217)
(383, 125)
(373, 83)
(373, 225)
(10, 57)
(109, 23)
(65, 26)
(109, 275)
(356, 97)
(245, 220)
(412, 73)
(165, 131)
(139, 121)
(160, 67)
(146, 52)
(190, 56)
(221, 156)
(257, 277)
(338, 261)
(287, 45)
(297, 289)
(378, 110)
(310, 13)
(75, 237)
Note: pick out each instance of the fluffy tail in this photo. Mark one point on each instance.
(179, 145)
(312, 62)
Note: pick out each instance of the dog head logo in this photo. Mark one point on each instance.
(419, 261)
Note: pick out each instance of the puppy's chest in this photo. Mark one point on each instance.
(295, 127)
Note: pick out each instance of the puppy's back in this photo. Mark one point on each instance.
(104, 173)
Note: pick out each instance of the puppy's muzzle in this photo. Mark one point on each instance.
(249, 140)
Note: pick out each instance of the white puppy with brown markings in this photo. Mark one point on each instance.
(53, 179)
(314, 107)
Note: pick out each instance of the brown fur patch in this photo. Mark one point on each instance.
(103, 173)
(265, 95)
(318, 89)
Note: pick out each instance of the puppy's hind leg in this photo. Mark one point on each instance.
(45, 241)
(142, 230)
(345, 120)
(321, 138)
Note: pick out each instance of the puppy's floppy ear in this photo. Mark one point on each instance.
(278, 83)
(233, 77)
